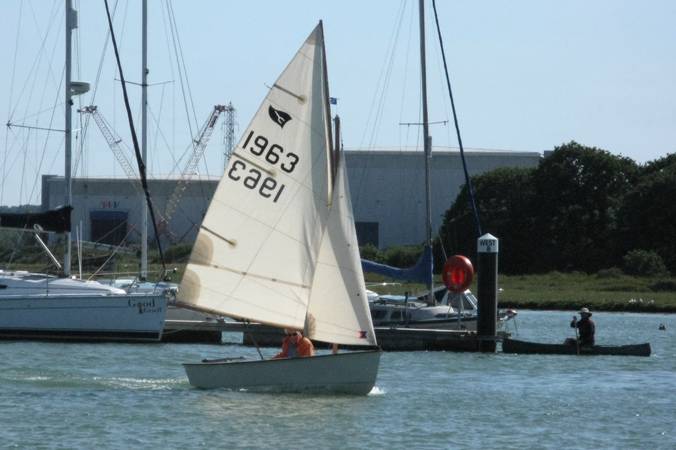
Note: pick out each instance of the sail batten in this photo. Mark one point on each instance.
(253, 275)
(192, 307)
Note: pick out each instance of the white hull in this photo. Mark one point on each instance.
(39, 306)
(466, 324)
(458, 312)
(83, 317)
(345, 373)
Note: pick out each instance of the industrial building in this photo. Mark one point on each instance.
(387, 186)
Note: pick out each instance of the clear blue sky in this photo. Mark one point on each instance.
(527, 75)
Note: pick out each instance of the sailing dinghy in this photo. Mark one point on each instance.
(278, 244)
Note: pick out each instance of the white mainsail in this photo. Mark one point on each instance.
(274, 216)
(338, 310)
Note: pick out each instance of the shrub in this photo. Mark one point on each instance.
(612, 272)
(644, 263)
(663, 285)
(178, 253)
(403, 256)
(370, 252)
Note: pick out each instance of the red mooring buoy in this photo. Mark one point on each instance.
(458, 273)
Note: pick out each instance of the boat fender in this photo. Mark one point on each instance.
(458, 273)
(511, 313)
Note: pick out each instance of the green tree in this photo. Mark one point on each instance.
(402, 256)
(579, 191)
(648, 214)
(370, 252)
(504, 198)
(644, 263)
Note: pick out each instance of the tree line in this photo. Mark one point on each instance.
(581, 209)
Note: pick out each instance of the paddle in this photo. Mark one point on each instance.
(577, 337)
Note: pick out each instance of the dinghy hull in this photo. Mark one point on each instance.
(351, 373)
(516, 346)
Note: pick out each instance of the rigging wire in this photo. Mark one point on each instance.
(36, 63)
(182, 82)
(160, 136)
(470, 189)
(79, 142)
(173, 93)
(407, 53)
(46, 141)
(28, 88)
(384, 81)
(155, 141)
(94, 91)
(183, 77)
(9, 106)
(139, 159)
(410, 195)
(181, 60)
(42, 64)
(377, 104)
(55, 103)
(183, 67)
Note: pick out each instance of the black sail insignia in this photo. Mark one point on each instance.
(278, 116)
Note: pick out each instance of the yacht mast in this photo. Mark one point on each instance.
(71, 23)
(144, 136)
(427, 144)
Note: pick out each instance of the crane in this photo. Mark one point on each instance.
(198, 150)
(199, 146)
(113, 140)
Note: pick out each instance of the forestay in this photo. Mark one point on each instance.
(257, 252)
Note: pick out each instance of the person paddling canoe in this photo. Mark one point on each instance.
(586, 327)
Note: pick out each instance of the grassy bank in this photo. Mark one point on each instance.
(574, 290)
(571, 291)
(607, 291)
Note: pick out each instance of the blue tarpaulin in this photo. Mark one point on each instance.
(420, 272)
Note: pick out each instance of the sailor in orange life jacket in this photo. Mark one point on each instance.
(295, 345)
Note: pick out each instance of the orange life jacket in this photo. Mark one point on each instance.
(296, 345)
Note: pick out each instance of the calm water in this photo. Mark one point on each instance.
(136, 396)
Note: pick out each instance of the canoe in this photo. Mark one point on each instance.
(516, 346)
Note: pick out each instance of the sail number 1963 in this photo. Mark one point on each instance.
(253, 178)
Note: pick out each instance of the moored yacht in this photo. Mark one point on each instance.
(41, 306)
(453, 311)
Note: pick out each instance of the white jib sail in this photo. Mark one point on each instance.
(256, 251)
(339, 310)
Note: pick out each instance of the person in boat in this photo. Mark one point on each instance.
(295, 345)
(586, 327)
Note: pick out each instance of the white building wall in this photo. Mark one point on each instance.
(387, 189)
